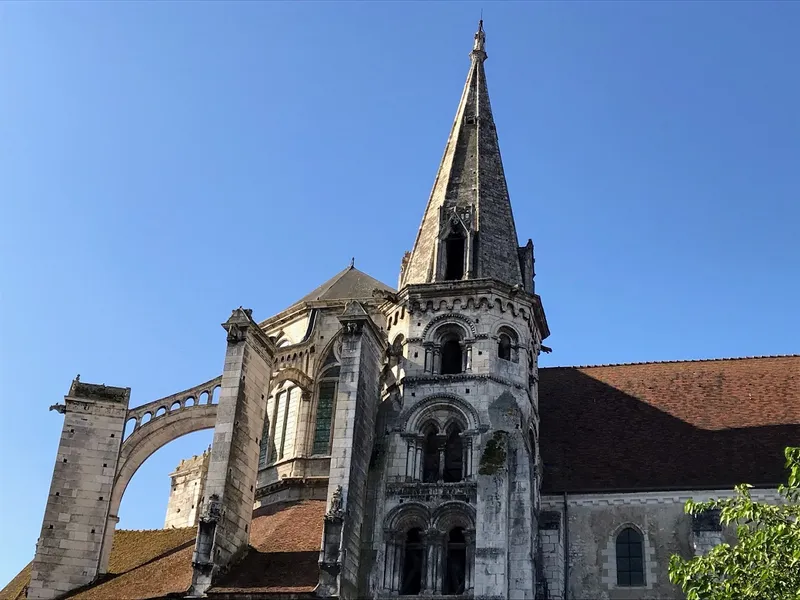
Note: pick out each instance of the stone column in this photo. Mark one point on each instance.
(469, 538)
(420, 454)
(224, 527)
(75, 530)
(442, 442)
(432, 583)
(399, 561)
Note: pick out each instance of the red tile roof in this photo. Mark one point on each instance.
(670, 425)
(145, 565)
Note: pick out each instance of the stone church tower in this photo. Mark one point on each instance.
(456, 491)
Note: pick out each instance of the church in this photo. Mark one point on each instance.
(372, 442)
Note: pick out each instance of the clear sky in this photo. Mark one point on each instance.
(163, 163)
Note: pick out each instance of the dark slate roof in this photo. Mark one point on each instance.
(670, 425)
(145, 565)
(350, 284)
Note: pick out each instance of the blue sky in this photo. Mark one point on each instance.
(163, 163)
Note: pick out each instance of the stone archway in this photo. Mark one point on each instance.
(147, 438)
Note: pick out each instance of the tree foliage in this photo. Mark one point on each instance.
(765, 562)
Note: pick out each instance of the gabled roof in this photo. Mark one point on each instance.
(350, 284)
(282, 560)
(671, 425)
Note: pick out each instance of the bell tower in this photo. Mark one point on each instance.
(456, 510)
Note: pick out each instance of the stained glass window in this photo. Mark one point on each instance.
(325, 402)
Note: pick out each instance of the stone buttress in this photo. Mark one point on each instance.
(73, 543)
(362, 353)
(224, 526)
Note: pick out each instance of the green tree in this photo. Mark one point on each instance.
(765, 562)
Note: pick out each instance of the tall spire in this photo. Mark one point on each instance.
(468, 229)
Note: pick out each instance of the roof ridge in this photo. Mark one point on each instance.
(667, 362)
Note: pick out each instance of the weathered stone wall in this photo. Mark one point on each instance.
(187, 487)
(551, 555)
(495, 399)
(70, 547)
(594, 521)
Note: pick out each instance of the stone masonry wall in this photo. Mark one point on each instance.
(594, 520)
(70, 546)
(551, 554)
(187, 486)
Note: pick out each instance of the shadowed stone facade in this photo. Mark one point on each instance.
(417, 426)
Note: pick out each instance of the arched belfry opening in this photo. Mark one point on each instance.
(454, 256)
(452, 356)
(453, 456)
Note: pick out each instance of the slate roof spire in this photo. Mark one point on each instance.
(470, 200)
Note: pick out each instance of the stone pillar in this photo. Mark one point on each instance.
(492, 526)
(399, 561)
(76, 530)
(357, 402)
(224, 528)
(469, 576)
(434, 573)
(392, 562)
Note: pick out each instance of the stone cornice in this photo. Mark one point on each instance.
(473, 294)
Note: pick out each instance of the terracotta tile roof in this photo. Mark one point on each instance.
(670, 425)
(15, 590)
(285, 543)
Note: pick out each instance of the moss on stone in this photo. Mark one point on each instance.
(494, 455)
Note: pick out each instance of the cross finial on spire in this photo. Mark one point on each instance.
(479, 47)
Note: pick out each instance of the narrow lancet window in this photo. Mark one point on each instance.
(454, 246)
(430, 457)
(453, 456)
(322, 432)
